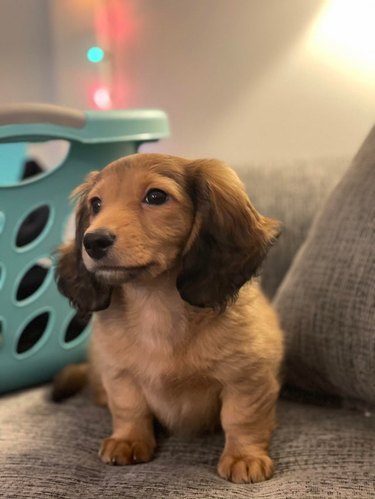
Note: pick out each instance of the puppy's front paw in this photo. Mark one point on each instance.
(245, 469)
(119, 452)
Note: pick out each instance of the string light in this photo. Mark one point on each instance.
(95, 54)
(115, 24)
(102, 98)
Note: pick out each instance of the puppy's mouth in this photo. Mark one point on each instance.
(118, 274)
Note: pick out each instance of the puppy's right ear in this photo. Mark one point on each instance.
(73, 280)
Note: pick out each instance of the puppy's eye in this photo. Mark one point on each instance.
(156, 197)
(96, 205)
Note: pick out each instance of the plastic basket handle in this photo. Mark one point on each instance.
(41, 113)
(40, 122)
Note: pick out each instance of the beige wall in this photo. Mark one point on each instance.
(243, 79)
(27, 68)
(240, 79)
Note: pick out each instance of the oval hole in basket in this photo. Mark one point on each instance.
(44, 156)
(28, 160)
(32, 225)
(75, 328)
(32, 281)
(32, 332)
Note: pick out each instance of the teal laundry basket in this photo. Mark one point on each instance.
(39, 331)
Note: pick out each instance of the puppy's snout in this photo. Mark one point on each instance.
(98, 243)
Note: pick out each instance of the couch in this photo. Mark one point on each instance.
(324, 446)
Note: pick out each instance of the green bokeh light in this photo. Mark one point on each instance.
(95, 54)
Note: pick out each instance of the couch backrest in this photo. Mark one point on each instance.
(292, 192)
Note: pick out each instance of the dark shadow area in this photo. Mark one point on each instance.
(32, 333)
(31, 282)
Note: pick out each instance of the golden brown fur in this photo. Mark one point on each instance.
(182, 331)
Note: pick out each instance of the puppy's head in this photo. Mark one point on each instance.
(148, 214)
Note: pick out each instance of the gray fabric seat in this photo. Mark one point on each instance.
(320, 450)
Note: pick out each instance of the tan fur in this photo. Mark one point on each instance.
(188, 339)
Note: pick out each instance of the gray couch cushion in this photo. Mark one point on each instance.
(50, 451)
(327, 300)
(291, 192)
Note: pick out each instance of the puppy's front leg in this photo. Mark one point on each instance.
(132, 440)
(248, 418)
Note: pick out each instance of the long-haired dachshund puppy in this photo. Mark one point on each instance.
(164, 254)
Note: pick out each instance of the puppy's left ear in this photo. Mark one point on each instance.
(229, 238)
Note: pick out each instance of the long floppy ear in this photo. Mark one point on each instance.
(74, 281)
(229, 238)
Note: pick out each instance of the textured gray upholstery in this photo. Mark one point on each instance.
(292, 193)
(50, 451)
(326, 302)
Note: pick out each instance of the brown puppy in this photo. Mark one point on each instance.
(165, 252)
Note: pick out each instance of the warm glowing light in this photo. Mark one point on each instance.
(116, 21)
(95, 54)
(102, 98)
(345, 32)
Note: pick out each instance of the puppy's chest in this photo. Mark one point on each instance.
(153, 340)
(160, 358)
(155, 345)
(162, 354)
(174, 377)
(157, 323)
(145, 338)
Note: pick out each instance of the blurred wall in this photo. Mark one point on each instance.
(240, 79)
(27, 69)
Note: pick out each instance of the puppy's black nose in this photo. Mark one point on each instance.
(98, 243)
